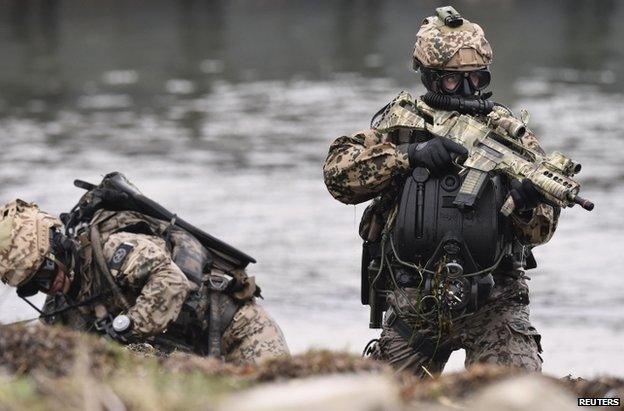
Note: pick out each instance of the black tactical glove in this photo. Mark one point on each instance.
(525, 196)
(435, 154)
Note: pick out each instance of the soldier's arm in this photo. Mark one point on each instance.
(148, 270)
(360, 166)
(537, 226)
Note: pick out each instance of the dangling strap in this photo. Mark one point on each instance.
(100, 262)
(214, 326)
(44, 315)
(216, 285)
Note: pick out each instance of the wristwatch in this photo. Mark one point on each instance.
(122, 323)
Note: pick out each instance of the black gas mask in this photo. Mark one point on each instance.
(465, 84)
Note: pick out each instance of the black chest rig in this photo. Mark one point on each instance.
(450, 256)
(456, 249)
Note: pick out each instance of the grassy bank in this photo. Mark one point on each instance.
(47, 368)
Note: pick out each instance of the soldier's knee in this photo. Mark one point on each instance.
(517, 345)
(528, 345)
(254, 336)
(527, 362)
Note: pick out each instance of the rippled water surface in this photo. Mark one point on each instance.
(223, 112)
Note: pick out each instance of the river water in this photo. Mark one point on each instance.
(223, 111)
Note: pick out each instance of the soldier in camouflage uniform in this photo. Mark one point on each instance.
(374, 164)
(149, 293)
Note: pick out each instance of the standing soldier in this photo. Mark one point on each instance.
(447, 278)
(135, 278)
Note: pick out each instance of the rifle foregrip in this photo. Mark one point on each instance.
(586, 204)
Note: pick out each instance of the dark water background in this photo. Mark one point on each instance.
(224, 110)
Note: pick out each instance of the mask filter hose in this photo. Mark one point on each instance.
(461, 105)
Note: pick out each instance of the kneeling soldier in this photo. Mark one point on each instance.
(136, 278)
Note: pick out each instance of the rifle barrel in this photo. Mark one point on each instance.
(586, 204)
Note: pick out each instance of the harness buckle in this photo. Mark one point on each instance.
(390, 317)
(217, 282)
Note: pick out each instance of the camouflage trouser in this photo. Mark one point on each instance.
(498, 333)
(253, 336)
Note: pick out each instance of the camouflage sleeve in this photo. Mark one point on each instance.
(359, 166)
(147, 270)
(539, 226)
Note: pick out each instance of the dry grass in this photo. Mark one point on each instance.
(455, 385)
(50, 368)
(55, 368)
(596, 387)
(461, 385)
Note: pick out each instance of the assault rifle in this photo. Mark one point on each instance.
(493, 144)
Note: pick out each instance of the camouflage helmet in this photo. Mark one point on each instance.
(449, 42)
(24, 240)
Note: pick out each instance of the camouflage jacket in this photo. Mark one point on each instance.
(154, 287)
(143, 269)
(369, 164)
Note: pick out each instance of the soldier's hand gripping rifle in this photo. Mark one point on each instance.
(494, 147)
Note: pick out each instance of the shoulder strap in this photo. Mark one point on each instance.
(102, 267)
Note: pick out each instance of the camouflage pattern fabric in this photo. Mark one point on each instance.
(112, 221)
(540, 228)
(372, 164)
(157, 285)
(24, 240)
(360, 166)
(253, 336)
(188, 253)
(369, 163)
(460, 48)
(157, 289)
(498, 333)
